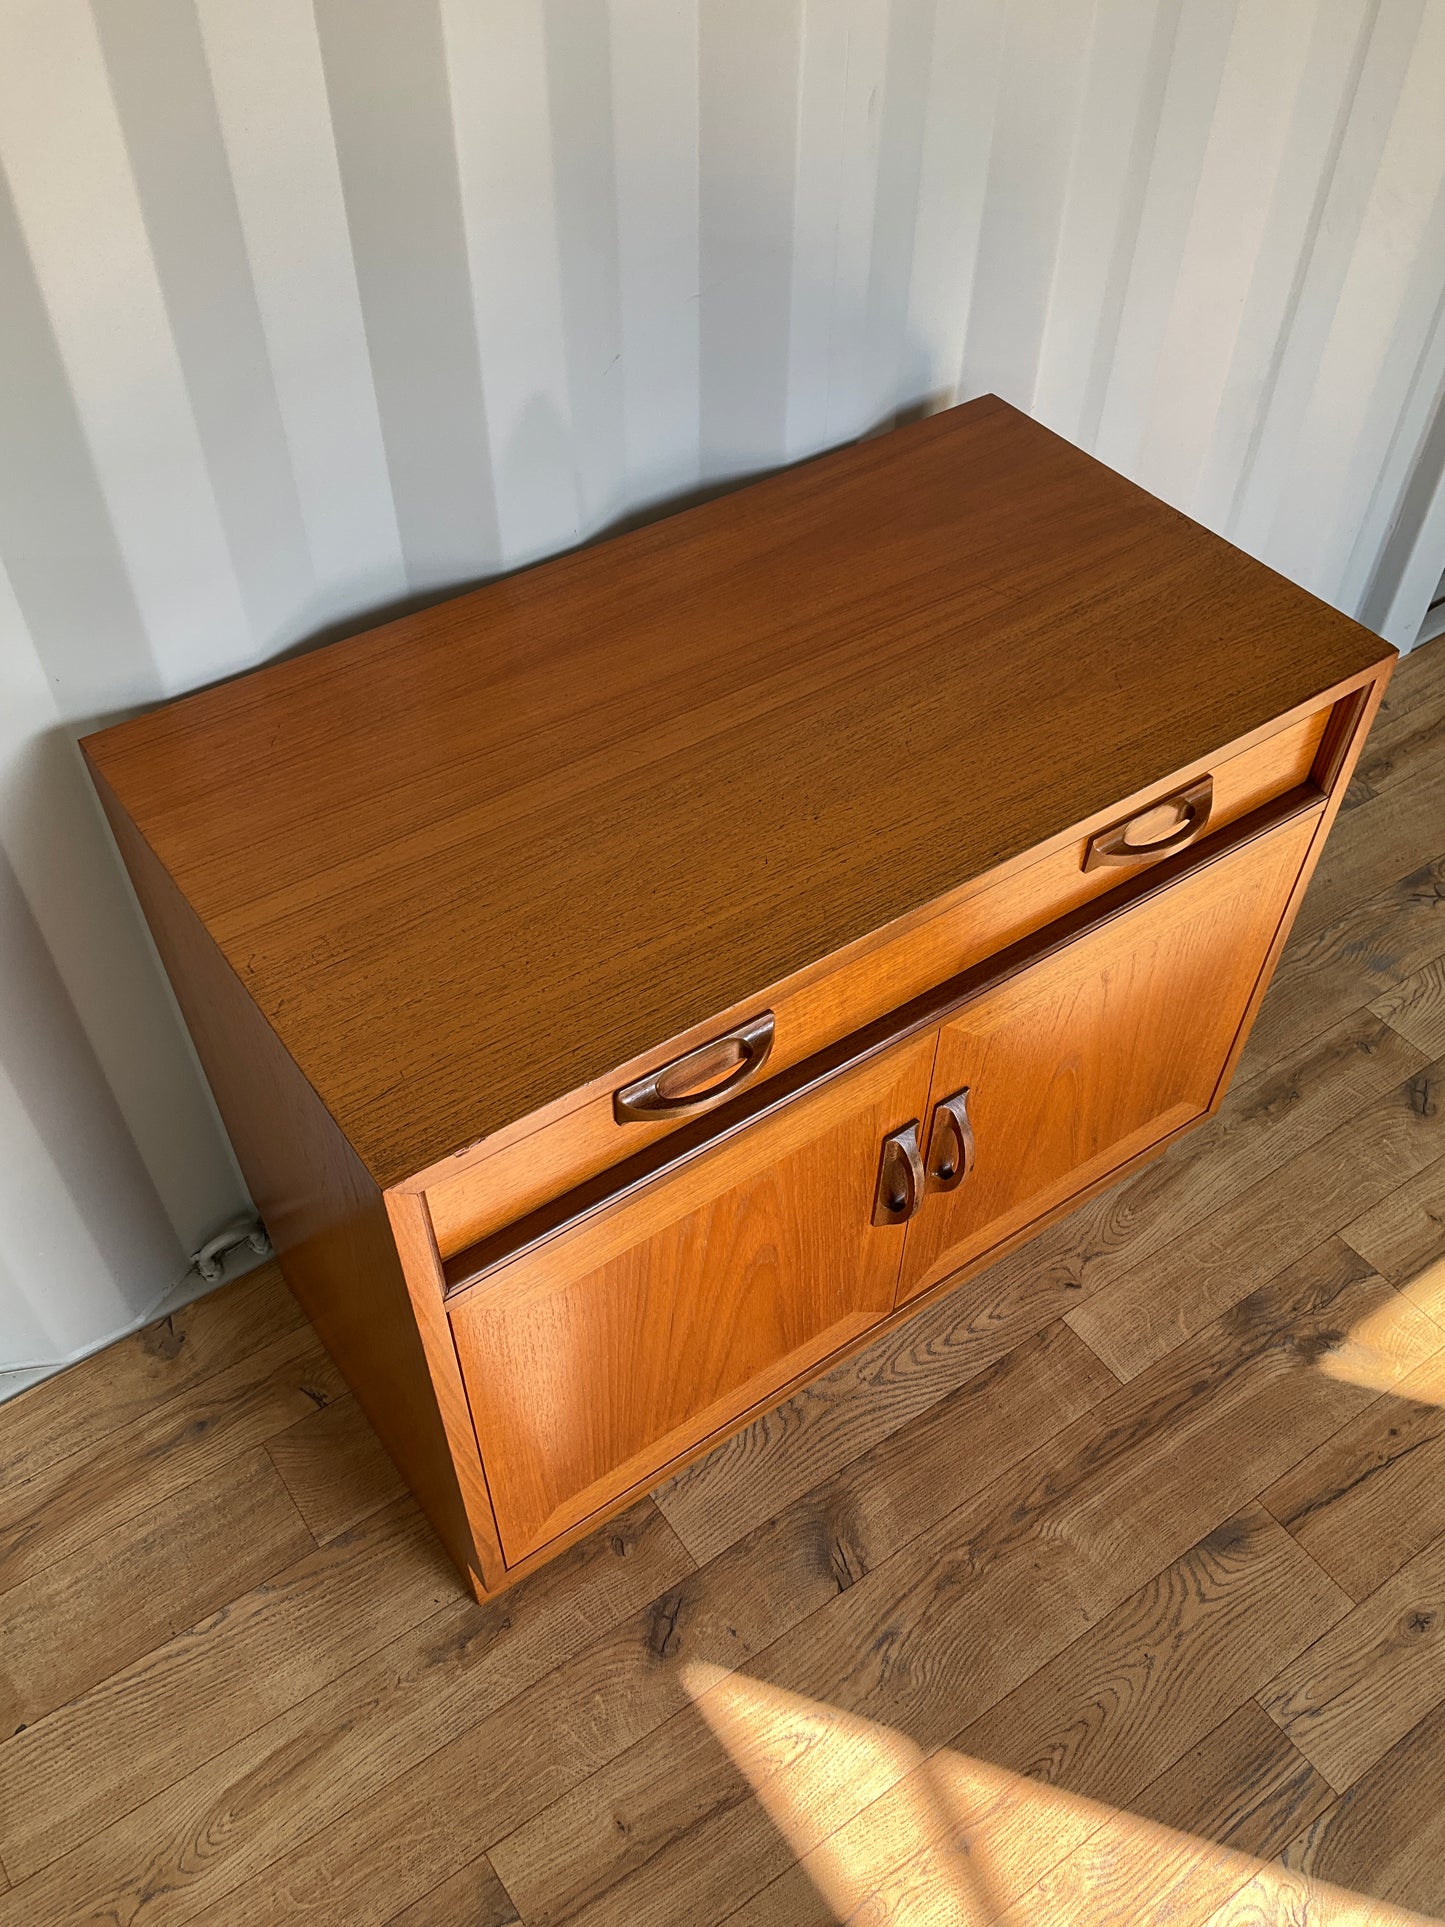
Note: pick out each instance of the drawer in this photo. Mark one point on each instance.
(520, 1171)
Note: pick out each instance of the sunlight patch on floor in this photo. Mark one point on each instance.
(889, 1836)
(1400, 1346)
(1426, 1290)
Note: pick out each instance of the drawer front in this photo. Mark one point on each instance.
(839, 995)
(595, 1359)
(1050, 1081)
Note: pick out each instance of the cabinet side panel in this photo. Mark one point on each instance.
(325, 1216)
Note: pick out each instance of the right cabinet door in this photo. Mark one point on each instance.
(1059, 1075)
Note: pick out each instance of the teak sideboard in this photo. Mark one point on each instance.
(631, 985)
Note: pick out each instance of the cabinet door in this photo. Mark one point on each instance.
(593, 1360)
(1066, 1071)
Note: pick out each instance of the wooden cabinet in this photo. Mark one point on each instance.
(630, 985)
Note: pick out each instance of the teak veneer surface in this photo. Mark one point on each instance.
(701, 757)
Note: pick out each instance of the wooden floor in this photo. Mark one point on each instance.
(1112, 1590)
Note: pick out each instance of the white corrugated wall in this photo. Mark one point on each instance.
(308, 308)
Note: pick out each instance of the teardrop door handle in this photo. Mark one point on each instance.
(900, 1177)
(950, 1143)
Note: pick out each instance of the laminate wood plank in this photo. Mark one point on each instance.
(825, 1541)
(1368, 1680)
(1409, 729)
(1131, 1869)
(749, 1592)
(163, 1717)
(1425, 1290)
(135, 1377)
(926, 1641)
(473, 1897)
(1110, 1713)
(86, 1615)
(505, 1764)
(823, 1427)
(190, 1436)
(1403, 1235)
(954, 1837)
(1265, 1120)
(1416, 1008)
(1128, 1871)
(1276, 1895)
(1098, 1722)
(200, 1838)
(394, 848)
(429, 1758)
(371, 1875)
(1156, 1305)
(1369, 949)
(1296, 1021)
(1426, 665)
(1242, 1786)
(1376, 847)
(1386, 1835)
(949, 1840)
(440, 1774)
(1365, 1501)
(335, 1468)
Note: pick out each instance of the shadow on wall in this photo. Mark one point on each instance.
(541, 425)
(93, 1190)
(1410, 564)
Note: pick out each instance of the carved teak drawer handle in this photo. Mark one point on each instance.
(950, 1143)
(1163, 826)
(700, 1079)
(900, 1177)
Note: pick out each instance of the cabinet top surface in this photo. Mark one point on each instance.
(466, 862)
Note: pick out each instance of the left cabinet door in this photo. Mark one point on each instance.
(594, 1360)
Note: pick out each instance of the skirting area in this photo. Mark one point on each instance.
(1111, 1589)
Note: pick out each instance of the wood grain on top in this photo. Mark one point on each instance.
(470, 860)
